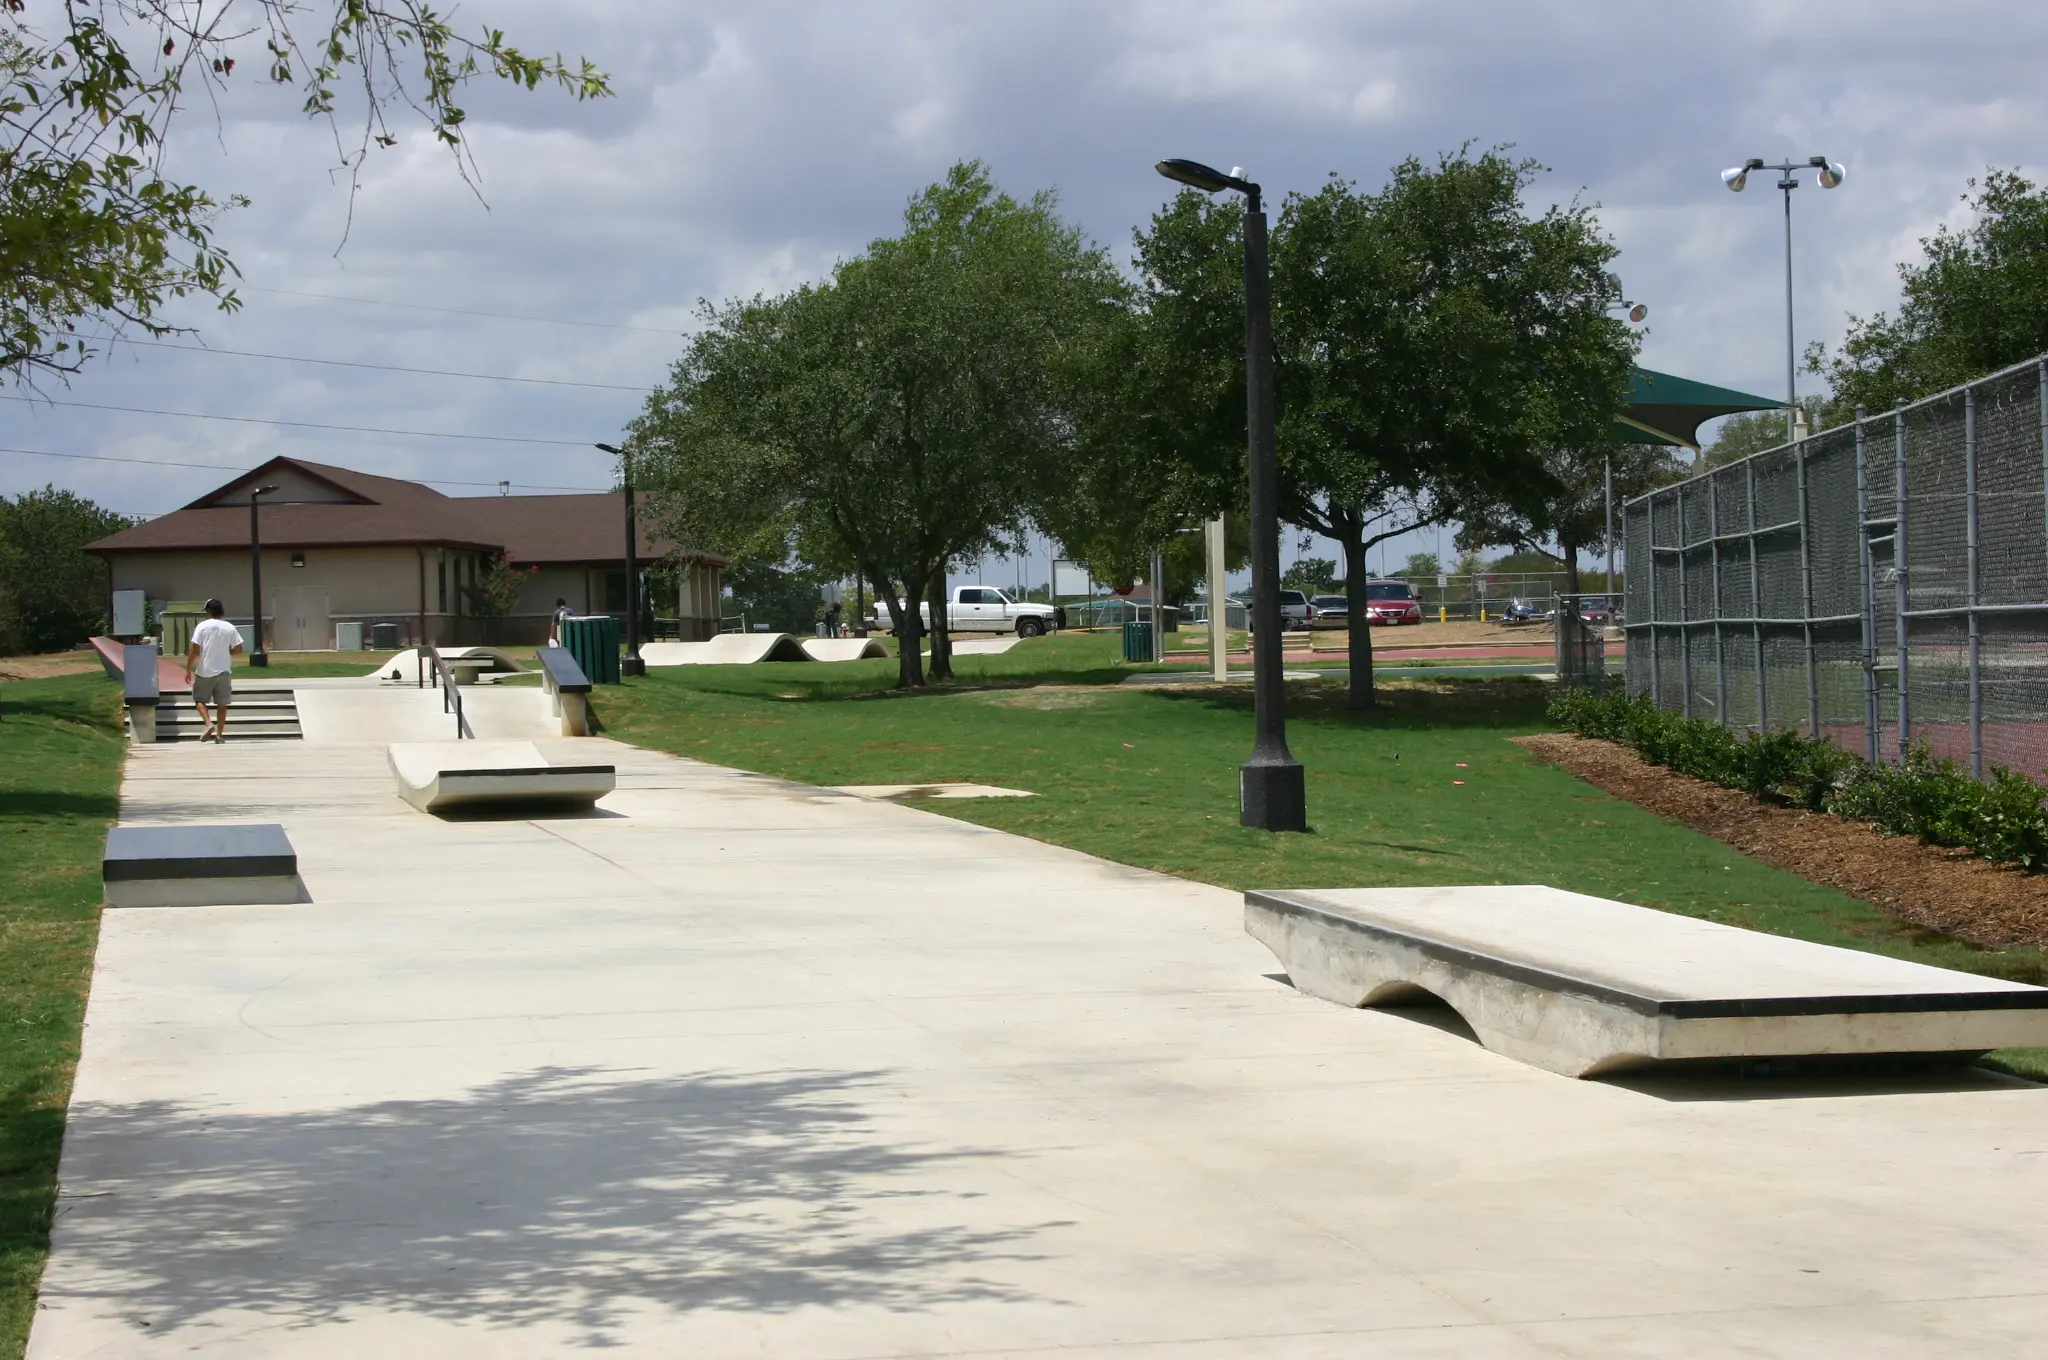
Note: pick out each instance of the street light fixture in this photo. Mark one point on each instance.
(1271, 788)
(257, 656)
(1830, 174)
(631, 664)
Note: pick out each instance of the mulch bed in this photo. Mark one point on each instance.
(1946, 890)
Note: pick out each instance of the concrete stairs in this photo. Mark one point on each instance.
(261, 712)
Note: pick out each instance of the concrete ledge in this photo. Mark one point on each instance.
(191, 866)
(447, 776)
(1583, 986)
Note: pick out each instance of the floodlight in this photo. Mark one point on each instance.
(1638, 313)
(1831, 173)
(1735, 179)
(1195, 175)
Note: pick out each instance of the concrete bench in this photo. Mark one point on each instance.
(200, 866)
(449, 776)
(1584, 986)
(568, 687)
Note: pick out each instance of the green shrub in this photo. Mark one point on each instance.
(1936, 800)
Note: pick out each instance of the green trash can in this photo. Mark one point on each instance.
(593, 639)
(1138, 640)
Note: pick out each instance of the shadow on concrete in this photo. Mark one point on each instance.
(1810, 1079)
(561, 1195)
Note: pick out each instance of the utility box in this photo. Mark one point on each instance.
(131, 613)
(348, 636)
(593, 639)
(383, 637)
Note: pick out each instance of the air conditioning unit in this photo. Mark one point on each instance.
(348, 637)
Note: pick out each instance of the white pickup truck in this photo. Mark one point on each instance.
(984, 609)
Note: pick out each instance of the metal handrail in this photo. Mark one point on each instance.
(451, 693)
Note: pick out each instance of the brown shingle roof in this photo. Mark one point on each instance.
(532, 529)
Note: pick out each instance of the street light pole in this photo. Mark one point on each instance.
(1830, 175)
(257, 656)
(630, 664)
(1272, 791)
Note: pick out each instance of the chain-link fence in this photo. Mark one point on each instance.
(1581, 641)
(1884, 583)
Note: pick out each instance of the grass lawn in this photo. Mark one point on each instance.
(60, 770)
(1427, 790)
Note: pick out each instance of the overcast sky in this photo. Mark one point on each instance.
(750, 144)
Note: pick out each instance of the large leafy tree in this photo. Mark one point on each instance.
(52, 595)
(94, 236)
(1572, 512)
(1977, 302)
(904, 415)
(1433, 339)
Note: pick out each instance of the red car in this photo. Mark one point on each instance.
(1391, 602)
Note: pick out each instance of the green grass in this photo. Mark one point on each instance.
(60, 771)
(1149, 777)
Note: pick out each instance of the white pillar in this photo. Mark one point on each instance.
(1219, 610)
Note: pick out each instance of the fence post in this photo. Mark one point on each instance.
(1684, 612)
(1650, 576)
(1970, 546)
(2042, 370)
(1720, 649)
(1901, 565)
(1756, 599)
(1806, 593)
(1867, 592)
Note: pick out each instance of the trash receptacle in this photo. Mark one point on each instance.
(1138, 640)
(593, 639)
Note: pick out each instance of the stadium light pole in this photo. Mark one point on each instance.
(257, 656)
(1635, 313)
(630, 664)
(1272, 792)
(1830, 174)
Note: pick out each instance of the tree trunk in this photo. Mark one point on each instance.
(1571, 565)
(1357, 622)
(909, 635)
(942, 632)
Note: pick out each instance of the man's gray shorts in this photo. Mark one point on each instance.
(213, 690)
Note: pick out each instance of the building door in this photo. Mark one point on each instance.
(299, 620)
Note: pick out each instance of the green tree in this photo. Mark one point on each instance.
(1573, 513)
(94, 235)
(1421, 566)
(1977, 302)
(1739, 436)
(52, 594)
(1310, 575)
(1434, 340)
(900, 418)
(496, 589)
(788, 597)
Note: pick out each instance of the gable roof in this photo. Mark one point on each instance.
(378, 511)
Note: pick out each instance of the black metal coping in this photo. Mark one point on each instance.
(2017, 998)
(251, 850)
(526, 770)
(563, 672)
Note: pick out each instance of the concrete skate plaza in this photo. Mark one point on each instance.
(737, 1067)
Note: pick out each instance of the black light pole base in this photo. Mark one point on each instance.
(259, 659)
(1272, 796)
(632, 665)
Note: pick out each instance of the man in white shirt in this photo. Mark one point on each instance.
(211, 655)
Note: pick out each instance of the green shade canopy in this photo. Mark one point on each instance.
(1664, 408)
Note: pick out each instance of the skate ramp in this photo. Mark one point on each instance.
(447, 776)
(406, 663)
(727, 649)
(844, 649)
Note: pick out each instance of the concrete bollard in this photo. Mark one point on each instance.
(142, 723)
(575, 712)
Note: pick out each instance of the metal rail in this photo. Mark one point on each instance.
(443, 679)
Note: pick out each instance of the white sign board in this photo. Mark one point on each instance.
(1070, 579)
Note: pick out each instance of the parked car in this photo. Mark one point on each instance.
(1295, 610)
(1332, 611)
(1391, 602)
(1521, 610)
(984, 609)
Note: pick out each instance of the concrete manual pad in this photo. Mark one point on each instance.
(756, 1071)
(896, 792)
(183, 866)
(451, 775)
(1584, 986)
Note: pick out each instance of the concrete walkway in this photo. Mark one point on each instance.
(737, 1067)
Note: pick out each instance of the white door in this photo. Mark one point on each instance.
(299, 620)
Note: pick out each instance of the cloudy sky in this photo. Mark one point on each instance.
(752, 143)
